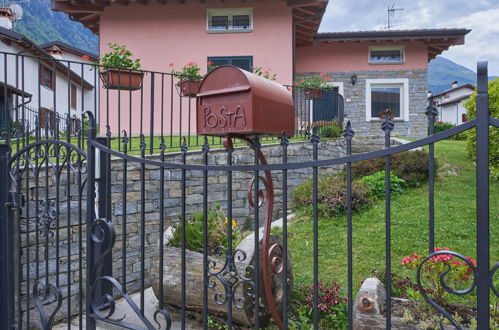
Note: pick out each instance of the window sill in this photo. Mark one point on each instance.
(229, 31)
(399, 119)
(48, 88)
(387, 63)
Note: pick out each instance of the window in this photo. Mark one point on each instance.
(73, 97)
(386, 55)
(387, 94)
(47, 116)
(230, 20)
(243, 62)
(46, 77)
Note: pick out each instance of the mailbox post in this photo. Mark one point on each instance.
(234, 103)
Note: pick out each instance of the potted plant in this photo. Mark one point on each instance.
(386, 112)
(314, 86)
(190, 79)
(118, 70)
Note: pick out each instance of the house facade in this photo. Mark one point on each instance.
(374, 70)
(450, 103)
(39, 80)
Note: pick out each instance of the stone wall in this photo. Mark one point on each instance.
(72, 221)
(355, 101)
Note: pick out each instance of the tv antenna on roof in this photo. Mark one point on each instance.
(391, 13)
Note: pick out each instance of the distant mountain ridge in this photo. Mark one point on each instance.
(442, 72)
(41, 25)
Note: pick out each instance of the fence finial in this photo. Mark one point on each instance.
(348, 133)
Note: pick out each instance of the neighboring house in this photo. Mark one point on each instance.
(39, 80)
(374, 70)
(450, 103)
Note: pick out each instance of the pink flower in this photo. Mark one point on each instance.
(171, 65)
(457, 263)
(406, 260)
(323, 74)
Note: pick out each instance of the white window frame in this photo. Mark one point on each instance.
(230, 12)
(404, 96)
(385, 48)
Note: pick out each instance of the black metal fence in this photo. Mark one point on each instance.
(148, 104)
(78, 238)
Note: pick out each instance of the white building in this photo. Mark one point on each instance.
(450, 103)
(50, 81)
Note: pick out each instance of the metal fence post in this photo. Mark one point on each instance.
(482, 197)
(103, 212)
(6, 246)
(90, 321)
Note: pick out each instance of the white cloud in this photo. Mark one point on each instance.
(482, 16)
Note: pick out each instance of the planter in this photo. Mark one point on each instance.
(121, 79)
(314, 93)
(189, 87)
(383, 116)
(243, 313)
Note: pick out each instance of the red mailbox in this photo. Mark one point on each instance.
(234, 102)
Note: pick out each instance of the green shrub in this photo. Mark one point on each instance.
(376, 184)
(470, 106)
(411, 166)
(217, 231)
(329, 131)
(441, 126)
(332, 196)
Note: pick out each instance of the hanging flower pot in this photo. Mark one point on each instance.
(189, 87)
(121, 79)
(314, 93)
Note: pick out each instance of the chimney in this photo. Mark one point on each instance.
(56, 52)
(6, 18)
(454, 84)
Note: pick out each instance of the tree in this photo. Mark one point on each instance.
(470, 106)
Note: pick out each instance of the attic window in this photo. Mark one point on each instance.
(229, 20)
(386, 55)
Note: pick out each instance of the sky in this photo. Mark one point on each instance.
(481, 16)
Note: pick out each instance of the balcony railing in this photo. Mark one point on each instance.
(229, 25)
(154, 114)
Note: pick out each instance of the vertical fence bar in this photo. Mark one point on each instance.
(205, 234)
(387, 127)
(431, 112)
(161, 219)
(256, 227)
(315, 201)
(183, 242)
(348, 134)
(90, 322)
(284, 145)
(6, 248)
(229, 149)
(151, 132)
(142, 223)
(482, 197)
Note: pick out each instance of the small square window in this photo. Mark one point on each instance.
(386, 55)
(385, 99)
(230, 20)
(387, 96)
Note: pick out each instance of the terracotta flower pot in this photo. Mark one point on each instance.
(383, 116)
(121, 79)
(314, 93)
(189, 87)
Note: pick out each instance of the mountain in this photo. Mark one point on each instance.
(442, 72)
(41, 24)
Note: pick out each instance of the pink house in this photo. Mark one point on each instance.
(373, 70)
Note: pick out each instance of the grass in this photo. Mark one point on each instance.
(455, 218)
(172, 143)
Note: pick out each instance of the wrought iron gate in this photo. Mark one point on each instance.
(67, 254)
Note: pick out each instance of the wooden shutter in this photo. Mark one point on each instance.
(73, 97)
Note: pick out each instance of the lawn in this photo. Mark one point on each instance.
(455, 218)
